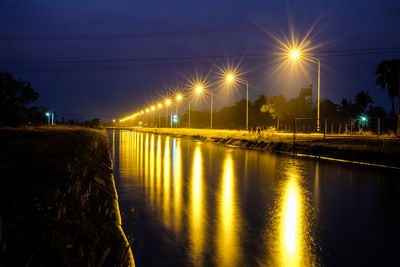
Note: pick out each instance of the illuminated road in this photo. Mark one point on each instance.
(205, 204)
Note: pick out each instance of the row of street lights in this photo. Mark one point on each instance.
(197, 89)
(230, 77)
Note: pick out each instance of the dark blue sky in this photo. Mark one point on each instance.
(76, 31)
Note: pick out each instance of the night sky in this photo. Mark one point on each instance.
(82, 55)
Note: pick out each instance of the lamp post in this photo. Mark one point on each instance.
(211, 95)
(152, 110)
(230, 78)
(167, 103)
(159, 111)
(295, 54)
(198, 90)
(147, 116)
(48, 117)
(179, 98)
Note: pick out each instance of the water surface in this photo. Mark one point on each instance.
(193, 203)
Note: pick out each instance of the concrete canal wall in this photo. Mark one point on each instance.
(59, 205)
(359, 150)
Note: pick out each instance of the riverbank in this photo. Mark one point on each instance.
(361, 150)
(58, 199)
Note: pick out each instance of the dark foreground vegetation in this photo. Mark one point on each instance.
(58, 201)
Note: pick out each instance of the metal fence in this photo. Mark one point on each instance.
(308, 128)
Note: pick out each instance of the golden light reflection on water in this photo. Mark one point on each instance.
(158, 171)
(205, 213)
(197, 208)
(125, 152)
(152, 168)
(177, 164)
(290, 240)
(167, 183)
(228, 221)
(141, 160)
(146, 161)
(291, 224)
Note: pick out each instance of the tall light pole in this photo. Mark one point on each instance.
(152, 110)
(167, 103)
(159, 110)
(179, 98)
(147, 116)
(198, 90)
(230, 78)
(211, 96)
(295, 54)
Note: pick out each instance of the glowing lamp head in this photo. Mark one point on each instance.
(113, 120)
(147, 110)
(167, 102)
(47, 114)
(294, 54)
(159, 105)
(179, 97)
(199, 89)
(142, 112)
(153, 107)
(229, 78)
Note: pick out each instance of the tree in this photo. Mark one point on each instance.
(328, 109)
(15, 96)
(362, 100)
(276, 106)
(388, 72)
(346, 109)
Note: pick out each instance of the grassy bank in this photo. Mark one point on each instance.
(58, 200)
(359, 149)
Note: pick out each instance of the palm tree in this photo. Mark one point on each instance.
(388, 72)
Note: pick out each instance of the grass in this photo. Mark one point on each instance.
(55, 213)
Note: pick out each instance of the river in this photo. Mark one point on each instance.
(195, 203)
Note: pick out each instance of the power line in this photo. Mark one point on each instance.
(347, 52)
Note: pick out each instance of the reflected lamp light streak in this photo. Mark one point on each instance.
(158, 170)
(177, 185)
(227, 234)
(291, 224)
(196, 206)
(167, 182)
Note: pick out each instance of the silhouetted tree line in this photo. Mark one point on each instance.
(270, 111)
(15, 99)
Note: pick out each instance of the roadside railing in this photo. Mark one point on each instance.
(365, 127)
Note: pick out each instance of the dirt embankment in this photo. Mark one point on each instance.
(59, 204)
(370, 151)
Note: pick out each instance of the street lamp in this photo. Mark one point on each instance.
(231, 78)
(159, 108)
(48, 114)
(167, 103)
(296, 54)
(179, 98)
(152, 109)
(198, 90)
